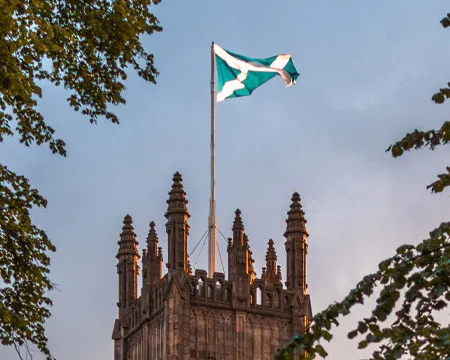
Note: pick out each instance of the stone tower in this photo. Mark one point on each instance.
(296, 250)
(177, 227)
(127, 266)
(296, 246)
(180, 315)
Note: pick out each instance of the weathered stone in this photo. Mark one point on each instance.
(184, 316)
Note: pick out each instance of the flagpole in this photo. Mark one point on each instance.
(212, 228)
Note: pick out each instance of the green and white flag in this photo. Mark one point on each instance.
(239, 75)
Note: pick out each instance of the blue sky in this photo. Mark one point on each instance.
(368, 70)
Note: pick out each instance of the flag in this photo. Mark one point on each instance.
(239, 75)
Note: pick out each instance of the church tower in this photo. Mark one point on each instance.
(183, 316)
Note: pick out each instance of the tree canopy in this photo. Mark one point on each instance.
(412, 286)
(86, 46)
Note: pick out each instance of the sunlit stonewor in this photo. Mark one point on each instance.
(191, 316)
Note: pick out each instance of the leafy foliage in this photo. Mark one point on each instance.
(23, 264)
(415, 285)
(423, 273)
(86, 46)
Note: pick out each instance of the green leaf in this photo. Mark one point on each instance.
(362, 344)
(321, 351)
(396, 151)
(445, 22)
(438, 98)
(362, 327)
(326, 335)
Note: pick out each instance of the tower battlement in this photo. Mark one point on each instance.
(185, 315)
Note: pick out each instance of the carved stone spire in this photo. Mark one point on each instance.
(127, 266)
(279, 272)
(153, 259)
(237, 224)
(177, 226)
(152, 240)
(238, 229)
(296, 221)
(127, 243)
(296, 246)
(271, 257)
(272, 273)
(240, 266)
(177, 197)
